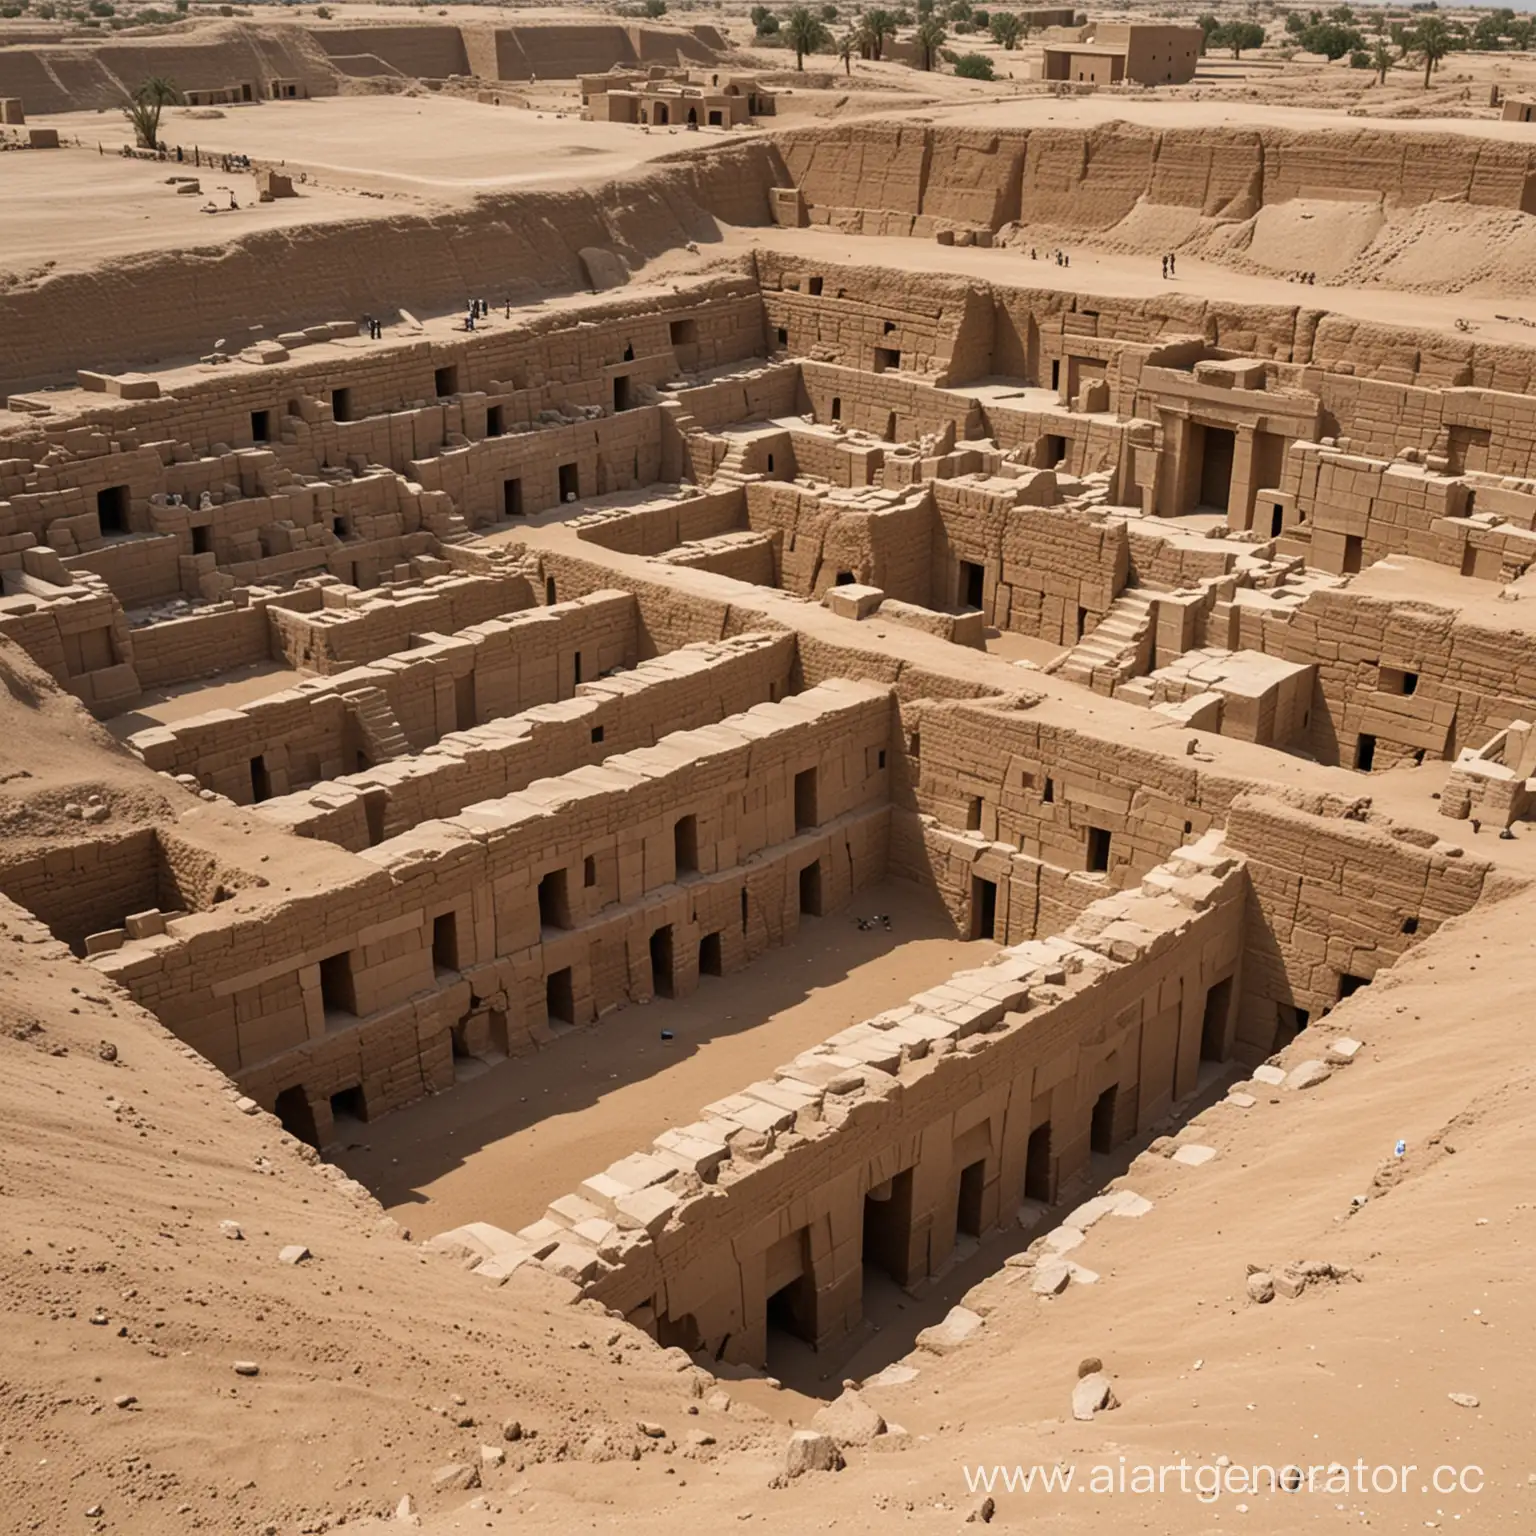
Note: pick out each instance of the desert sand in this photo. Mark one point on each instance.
(517, 686)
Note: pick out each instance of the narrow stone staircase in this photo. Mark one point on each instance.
(383, 739)
(1119, 648)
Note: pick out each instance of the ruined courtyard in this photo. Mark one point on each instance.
(838, 733)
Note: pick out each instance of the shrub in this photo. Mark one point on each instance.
(974, 66)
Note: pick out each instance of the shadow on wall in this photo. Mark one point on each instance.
(571, 1075)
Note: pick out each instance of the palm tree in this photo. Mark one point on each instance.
(929, 38)
(874, 27)
(805, 33)
(847, 46)
(1432, 38)
(1382, 59)
(145, 106)
(1006, 28)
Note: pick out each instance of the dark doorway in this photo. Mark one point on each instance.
(445, 941)
(554, 901)
(341, 405)
(512, 498)
(973, 1180)
(973, 580)
(806, 808)
(888, 1227)
(445, 381)
(570, 483)
(1101, 1132)
(464, 709)
(1098, 851)
(685, 845)
(683, 333)
(112, 509)
(1365, 752)
(837, 408)
(261, 781)
(261, 426)
(550, 596)
(560, 997)
(202, 540)
(338, 994)
(349, 1104)
(1037, 1165)
(297, 1115)
(1354, 553)
(810, 889)
(1349, 985)
(495, 420)
(1289, 1022)
(1213, 1028)
(792, 1301)
(1276, 522)
(983, 908)
(1055, 451)
(1216, 467)
(621, 392)
(709, 956)
(661, 961)
(886, 357)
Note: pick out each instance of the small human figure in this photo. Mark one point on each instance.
(1172, 269)
(1032, 253)
(1165, 269)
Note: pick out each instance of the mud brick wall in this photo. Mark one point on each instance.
(490, 670)
(757, 394)
(923, 323)
(683, 690)
(654, 529)
(610, 453)
(743, 556)
(886, 404)
(334, 638)
(247, 988)
(1421, 679)
(820, 538)
(1332, 899)
(854, 1152)
(1057, 572)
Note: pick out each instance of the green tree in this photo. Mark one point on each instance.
(929, 38)
(1331, 39)
(1382, 59)
(805, 33)
(1006, 29)
(1238, 35)
(1431, 40)
(145, 106)
(874, 27)
(1208, 24)
(974, 66)
(655, 7)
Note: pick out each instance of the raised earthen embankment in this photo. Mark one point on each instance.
(870, 177)
(73, 76)
(518, 247)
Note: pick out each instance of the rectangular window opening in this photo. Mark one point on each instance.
(341, 405)
(261, 426)
(445, 381)
(806, 809)
(338, 993)
(570, 483)
(112, 509)
(445, 941)
(554, 900)
(495, 420)
(685, 845)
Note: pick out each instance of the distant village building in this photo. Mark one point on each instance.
(661, 97)
(1132, 53)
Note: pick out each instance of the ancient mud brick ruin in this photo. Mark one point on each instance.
(1172, 643)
